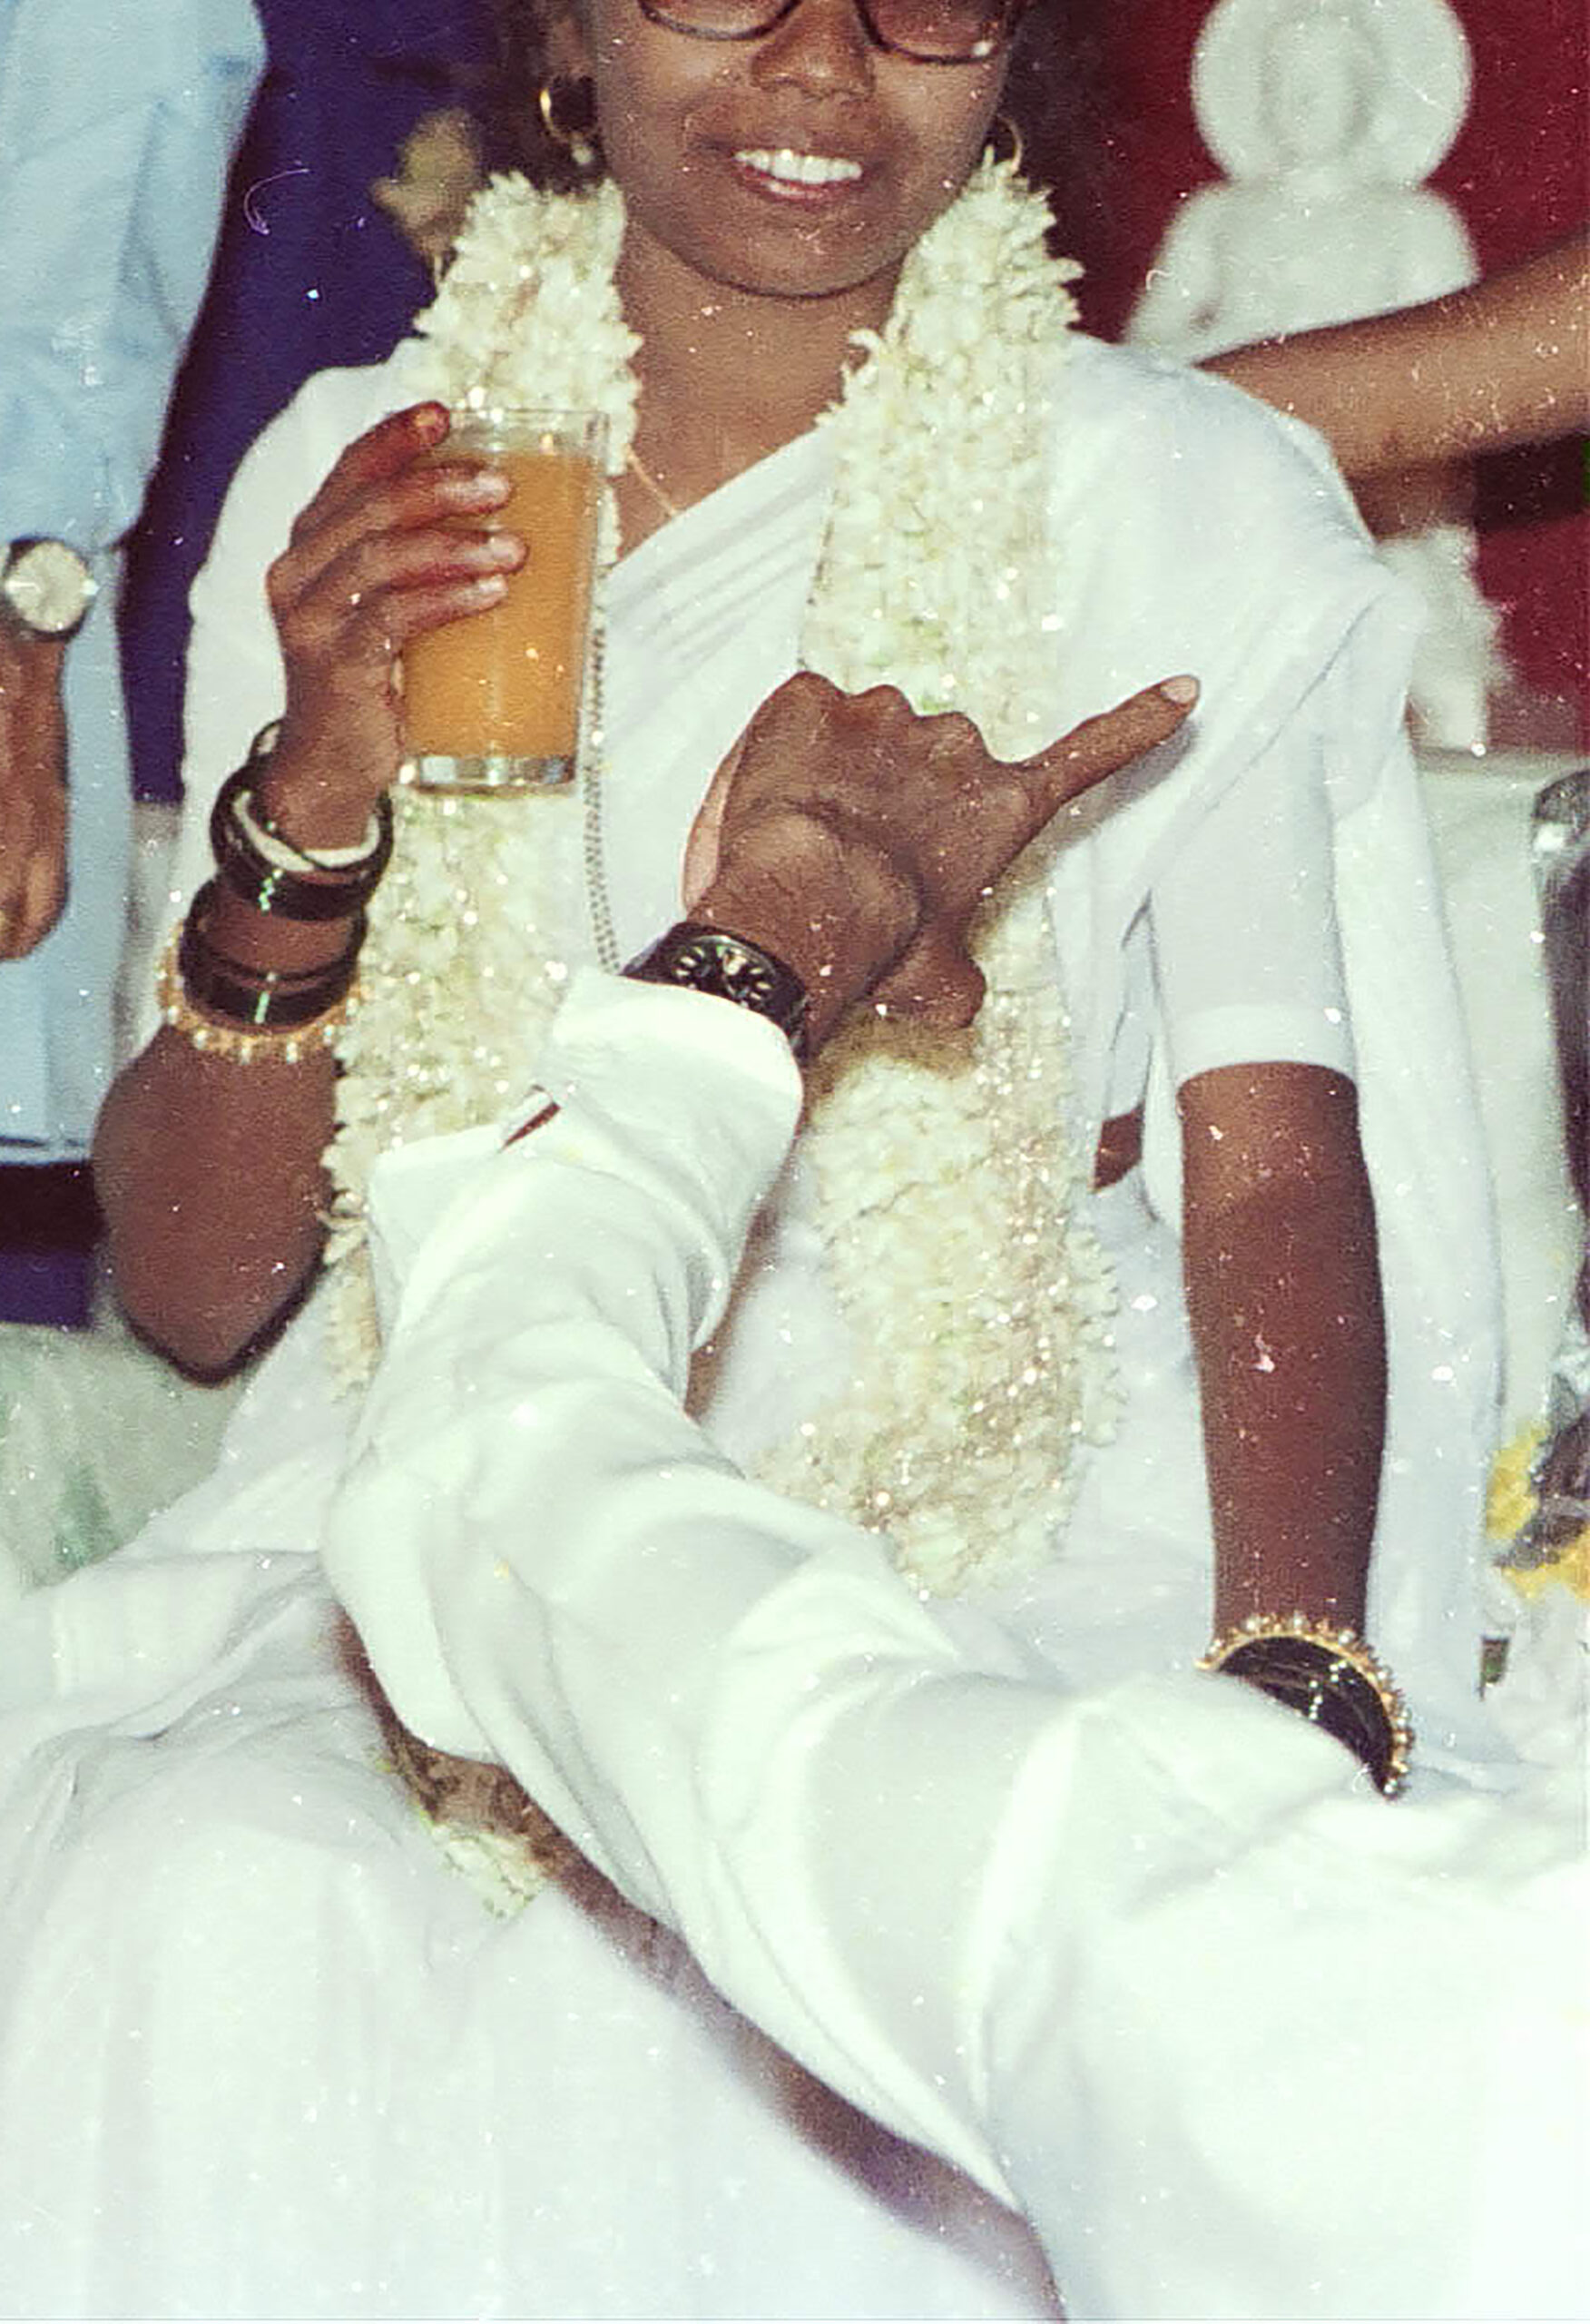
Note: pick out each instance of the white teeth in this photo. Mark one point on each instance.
(799, 168)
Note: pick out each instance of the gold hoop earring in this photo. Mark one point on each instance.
(1002, 121)
(575, 137)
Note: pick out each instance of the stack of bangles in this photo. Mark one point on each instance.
(226, 1007)
(1329, 1678)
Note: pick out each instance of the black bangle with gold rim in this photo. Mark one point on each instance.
(1328, 1676)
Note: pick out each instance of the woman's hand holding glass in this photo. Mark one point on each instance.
(384, 552)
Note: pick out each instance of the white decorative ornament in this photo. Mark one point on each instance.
(1394, 75)
(1326, 115)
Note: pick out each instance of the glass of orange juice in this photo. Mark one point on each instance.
(492, 701)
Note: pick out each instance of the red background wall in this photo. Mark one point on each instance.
(1520, 173)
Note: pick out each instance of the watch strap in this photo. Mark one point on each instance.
(700, 958)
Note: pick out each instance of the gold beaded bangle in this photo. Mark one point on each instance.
(241, 1044)
(1351, 1672)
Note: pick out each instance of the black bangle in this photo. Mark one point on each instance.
(329, 891)
(1329, 1677)
(264, 999)
(1314, 1696)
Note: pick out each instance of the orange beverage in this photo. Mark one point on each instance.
(491, 702)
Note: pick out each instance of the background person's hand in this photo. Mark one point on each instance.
(384, 550)
(855, 840)
(33, 791)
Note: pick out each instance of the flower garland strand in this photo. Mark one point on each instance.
(949, 1203)
(952, 1205)
(473, 932)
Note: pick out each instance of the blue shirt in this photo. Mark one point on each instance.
(117, 123)
(118, 119)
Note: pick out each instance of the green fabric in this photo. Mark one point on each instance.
(96, 1433)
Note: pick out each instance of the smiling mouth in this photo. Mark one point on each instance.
(786, 167)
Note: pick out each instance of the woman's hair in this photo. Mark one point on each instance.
(1051, 99)
(506, 100)
(1047, 100)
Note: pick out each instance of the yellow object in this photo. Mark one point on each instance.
(1511, 1501)
(1568, 1569)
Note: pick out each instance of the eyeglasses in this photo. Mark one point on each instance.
(930, 32)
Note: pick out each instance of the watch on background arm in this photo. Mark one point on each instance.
(703, 959)
(46, 588)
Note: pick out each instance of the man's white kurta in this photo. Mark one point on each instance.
(1154, 1959)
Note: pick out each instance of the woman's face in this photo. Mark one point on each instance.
(800, 165)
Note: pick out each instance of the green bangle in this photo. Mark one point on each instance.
(261, 1000)
(268, 871)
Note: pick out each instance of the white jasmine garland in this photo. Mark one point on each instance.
(950, 1204)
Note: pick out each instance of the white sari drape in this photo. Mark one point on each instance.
(261, 2052)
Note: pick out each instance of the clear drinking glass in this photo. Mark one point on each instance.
(492, 701)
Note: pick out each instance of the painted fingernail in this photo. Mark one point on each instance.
(487, 589)
(477, 488)
(501, 551)
(1180, 690)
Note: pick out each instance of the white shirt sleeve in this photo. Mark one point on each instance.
(1146, 1961)
(728, 1700)
(1236, 959)
(1246, 952)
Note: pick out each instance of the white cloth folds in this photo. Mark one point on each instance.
(1244, 2039)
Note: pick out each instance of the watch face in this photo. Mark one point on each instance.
(720, 965)
(710, 960)
(48, 586)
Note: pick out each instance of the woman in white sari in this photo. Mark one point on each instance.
(262, 2049)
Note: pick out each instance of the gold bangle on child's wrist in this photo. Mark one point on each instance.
(1329, 1675)
(240, 1043)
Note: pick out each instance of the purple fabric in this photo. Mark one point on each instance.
(49, 1227)
(310, 272)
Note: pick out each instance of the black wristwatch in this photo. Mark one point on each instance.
(710, 960)
(45, 587)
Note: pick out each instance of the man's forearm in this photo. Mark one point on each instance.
(33, 788)
(1505, 361)
(571, 1267)
(550, 1567)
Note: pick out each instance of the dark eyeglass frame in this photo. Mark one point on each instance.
(1012, 12)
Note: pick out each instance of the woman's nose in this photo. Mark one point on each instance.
(820, 45)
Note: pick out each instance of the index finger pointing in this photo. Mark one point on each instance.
(1100, 747)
